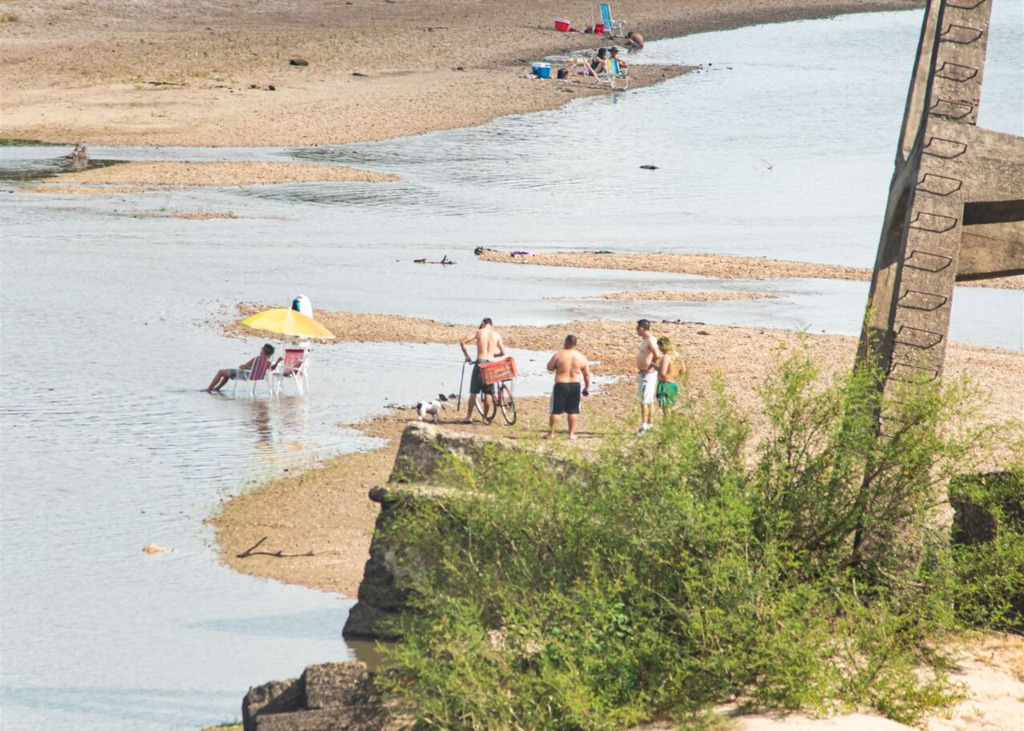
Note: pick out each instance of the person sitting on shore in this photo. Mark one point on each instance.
(613, 53)
(668, 371)
(636, 41)
(599, 63)
(242, 372)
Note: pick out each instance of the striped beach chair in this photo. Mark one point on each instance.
(258, 373)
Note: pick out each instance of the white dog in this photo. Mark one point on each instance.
(433, 408)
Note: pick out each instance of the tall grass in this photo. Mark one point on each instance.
(693, 566)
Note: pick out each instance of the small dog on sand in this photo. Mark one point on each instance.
(431, 408)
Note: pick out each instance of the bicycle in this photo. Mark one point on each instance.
(498, 377)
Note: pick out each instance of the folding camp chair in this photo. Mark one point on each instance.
(613, 74)
(294, 365)
(259, 372)
(616, 73)
(612, 28)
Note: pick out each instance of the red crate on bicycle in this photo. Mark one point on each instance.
(499, 370)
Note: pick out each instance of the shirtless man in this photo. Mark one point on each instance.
(668, 372)
(647, 358)
(636, 41)
(488, 343)
(569, 366)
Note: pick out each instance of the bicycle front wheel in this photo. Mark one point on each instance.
(507, 404)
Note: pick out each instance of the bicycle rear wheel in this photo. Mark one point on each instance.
(486, 406)
(507, 404)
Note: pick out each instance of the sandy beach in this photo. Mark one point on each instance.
(174, 73)
(709, 265)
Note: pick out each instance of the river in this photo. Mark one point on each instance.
(781, 146)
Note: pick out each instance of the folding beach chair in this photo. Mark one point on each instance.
(614, 74)
(259, 372)
(612, 28)
(294, 365)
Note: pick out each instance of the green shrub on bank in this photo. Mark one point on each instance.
(689, 567)
(988, 572)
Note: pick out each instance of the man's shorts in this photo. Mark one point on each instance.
(647, 386)
(565, 398)
(476, 383)
(667, 393)
(239, 375)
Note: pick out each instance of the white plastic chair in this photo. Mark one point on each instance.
(258, 373)
(295, 365)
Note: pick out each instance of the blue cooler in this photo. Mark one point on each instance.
(542, 69)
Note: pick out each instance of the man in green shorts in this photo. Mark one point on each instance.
(668, 371)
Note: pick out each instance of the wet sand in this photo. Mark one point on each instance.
(149, 72)
(671, 295)
(216, 173)
(710, 265)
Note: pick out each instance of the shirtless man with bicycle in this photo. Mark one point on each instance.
(488, 344)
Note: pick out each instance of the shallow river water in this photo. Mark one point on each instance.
(782, 147)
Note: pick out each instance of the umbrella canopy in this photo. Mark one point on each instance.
(287, 322)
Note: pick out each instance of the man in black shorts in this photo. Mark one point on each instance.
(570, 367)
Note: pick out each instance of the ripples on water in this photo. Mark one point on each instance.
(111, 309)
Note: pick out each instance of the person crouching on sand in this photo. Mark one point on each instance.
(570, 367)
(636, 41)
(668, 371)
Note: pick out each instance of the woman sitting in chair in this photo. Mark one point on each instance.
(599, 63)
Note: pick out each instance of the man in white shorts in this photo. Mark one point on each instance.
(646, 374)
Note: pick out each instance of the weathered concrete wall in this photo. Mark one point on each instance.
(424, 448)
(417, 476)
(337, 696)
(422, 453)
(326, 697)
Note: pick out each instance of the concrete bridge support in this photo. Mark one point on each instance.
(956, 202)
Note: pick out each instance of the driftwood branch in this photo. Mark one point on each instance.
(251, 551)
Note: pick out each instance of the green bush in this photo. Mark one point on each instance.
(690, 567)
(988, 586)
